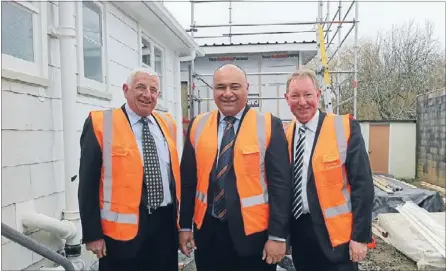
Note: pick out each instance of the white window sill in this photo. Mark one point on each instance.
(89, 92)
(25, 78)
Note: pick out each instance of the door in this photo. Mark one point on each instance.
(379, 148)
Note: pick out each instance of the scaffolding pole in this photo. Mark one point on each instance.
(338, 18)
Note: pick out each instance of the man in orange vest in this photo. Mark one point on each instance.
(236, 185)
(332, 182)
(129, 188)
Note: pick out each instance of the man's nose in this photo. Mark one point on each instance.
(227, 92)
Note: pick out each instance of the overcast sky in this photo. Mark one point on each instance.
(375, 17)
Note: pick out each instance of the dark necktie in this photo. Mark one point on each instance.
(152, 170)
(225, 162)
(297, 174)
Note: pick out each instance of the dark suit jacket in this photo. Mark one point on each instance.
(88, 195)
(278, 172)
(362, 193)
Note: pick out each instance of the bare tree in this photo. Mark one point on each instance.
(392, 71)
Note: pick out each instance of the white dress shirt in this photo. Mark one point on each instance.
(161, 147)
(310, 133)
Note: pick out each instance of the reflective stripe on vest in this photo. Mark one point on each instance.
(342, 148)
(106, 212)
(169, 122)
(254, 200)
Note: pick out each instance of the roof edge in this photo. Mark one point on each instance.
(167, 18)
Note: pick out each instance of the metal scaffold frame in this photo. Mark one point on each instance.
(322, 26)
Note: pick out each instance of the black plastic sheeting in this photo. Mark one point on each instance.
(432, 201)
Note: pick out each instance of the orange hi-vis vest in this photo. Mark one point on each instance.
(249, 165)
(330, 175)
(122, 170)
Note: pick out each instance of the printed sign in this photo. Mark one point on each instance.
(228, 58)
(253, 99)
(280, 56)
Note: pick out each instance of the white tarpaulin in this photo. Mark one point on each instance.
(407, 239)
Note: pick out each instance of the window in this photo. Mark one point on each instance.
(92, 47)
(159, 68)
(92, 41)
(24, 43)
(146, 52)
(153, 56)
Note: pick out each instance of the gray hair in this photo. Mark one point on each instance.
(149, 71)
(303, 73)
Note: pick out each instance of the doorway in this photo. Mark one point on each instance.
(379, 148)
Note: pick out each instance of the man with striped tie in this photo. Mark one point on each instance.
(236, 184)
(332, 182)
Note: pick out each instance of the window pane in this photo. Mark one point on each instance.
(158, 61)
(92, 61)
(146, 54)
(92, 22)
(17, 32)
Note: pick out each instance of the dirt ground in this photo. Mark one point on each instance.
(383, 257)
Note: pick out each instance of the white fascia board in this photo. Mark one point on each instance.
(167, 18)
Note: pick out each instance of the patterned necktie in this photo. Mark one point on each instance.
(297, 173)
(225, 161)
(152, 170)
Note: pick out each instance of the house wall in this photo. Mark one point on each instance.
(261, 85)
(402, 147)
(431, 137)
(32, 141)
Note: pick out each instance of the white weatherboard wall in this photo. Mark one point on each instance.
(32, 142)
(402, 147)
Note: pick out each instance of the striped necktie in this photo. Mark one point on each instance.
(225, 162)
(297, 173)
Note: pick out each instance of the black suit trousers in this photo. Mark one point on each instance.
(306, 249)
(156, 247)
(219, 254)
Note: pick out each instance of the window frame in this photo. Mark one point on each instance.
(35, 72)
(142, 34)
(86, 85)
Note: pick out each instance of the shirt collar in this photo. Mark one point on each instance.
(133, 117)
(238, 116)
(311, 124)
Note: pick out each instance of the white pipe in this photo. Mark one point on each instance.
(63, 228)
(67, 35)
(179, 110)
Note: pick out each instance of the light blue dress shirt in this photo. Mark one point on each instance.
(161, 147)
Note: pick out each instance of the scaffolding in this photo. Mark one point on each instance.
(321, 26)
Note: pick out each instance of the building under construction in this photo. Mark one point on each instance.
(269, 64)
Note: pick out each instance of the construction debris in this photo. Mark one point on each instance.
(416, 233)
(390, 192)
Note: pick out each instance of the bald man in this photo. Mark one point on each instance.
(236, 184)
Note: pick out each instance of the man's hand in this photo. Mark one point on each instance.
(357, 251)
(274, 251)
(187, 243)
(98, 248)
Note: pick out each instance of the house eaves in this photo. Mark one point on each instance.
(156, 18)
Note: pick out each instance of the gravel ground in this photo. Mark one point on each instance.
(386, 257)
(383, 257)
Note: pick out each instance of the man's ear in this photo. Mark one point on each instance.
(125, 89)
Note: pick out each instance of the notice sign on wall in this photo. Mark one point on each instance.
(253, 99)
(280, 56)
(228, 58)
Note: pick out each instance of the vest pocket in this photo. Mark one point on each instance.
(251, 159)
(120, 151)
